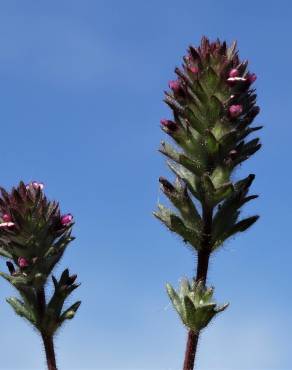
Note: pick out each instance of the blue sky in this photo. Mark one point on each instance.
(81, 99)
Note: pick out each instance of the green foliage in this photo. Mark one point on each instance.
(193, 302)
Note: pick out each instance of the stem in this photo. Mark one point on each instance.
(47, 339)
(50, 352)
(202, 271)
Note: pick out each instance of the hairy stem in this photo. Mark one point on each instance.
(50, 352)
(47, 339)
(202, 271)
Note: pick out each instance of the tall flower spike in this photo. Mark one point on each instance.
(213, 110)
(33, 246)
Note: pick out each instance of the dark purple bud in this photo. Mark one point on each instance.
(170, 125)
(11, 267)
(235, 110)
(166, 184)
(251, 77)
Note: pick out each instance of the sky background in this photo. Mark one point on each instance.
(80, 103)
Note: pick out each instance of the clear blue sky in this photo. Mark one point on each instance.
(81, 99)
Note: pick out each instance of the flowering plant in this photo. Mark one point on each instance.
(213, 105)
(33, 237)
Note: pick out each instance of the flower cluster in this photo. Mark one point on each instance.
(30, 225)
(33, 237)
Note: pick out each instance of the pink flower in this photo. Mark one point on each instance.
(251, 78)
(6, 217)
(36, 185)
(193, 69)
(170, 125)
(234, 73)
(22, 262)
(66, 219)
(235, 110)
(6, 224)
(174, 86)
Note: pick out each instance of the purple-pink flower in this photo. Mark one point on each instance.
(235, 110)
(66, 219)
(22, 262)
(6, 217)
(175, 86)
(193, 69)
(36, 185)
(234, 73)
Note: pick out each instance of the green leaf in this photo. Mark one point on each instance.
(187, 176)
(192, 165)
(5, 253)
(222, 192)
(211, 143)
(239, 227)
(21, 309)
(175, 299)
(175, 224)
(209, 80)
(180, 198)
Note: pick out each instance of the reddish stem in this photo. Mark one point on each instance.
(47, 339)
(202, 271)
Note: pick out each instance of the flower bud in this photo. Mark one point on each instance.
(22, 262)
(234, 73)
(175, 86)
(6, 217)
(66, 219)
(251, 78)
(235, 110)
(193, 69)
(170, 125)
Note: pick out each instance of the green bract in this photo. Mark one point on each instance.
(193, 302)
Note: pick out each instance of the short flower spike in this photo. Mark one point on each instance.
(33, 238)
